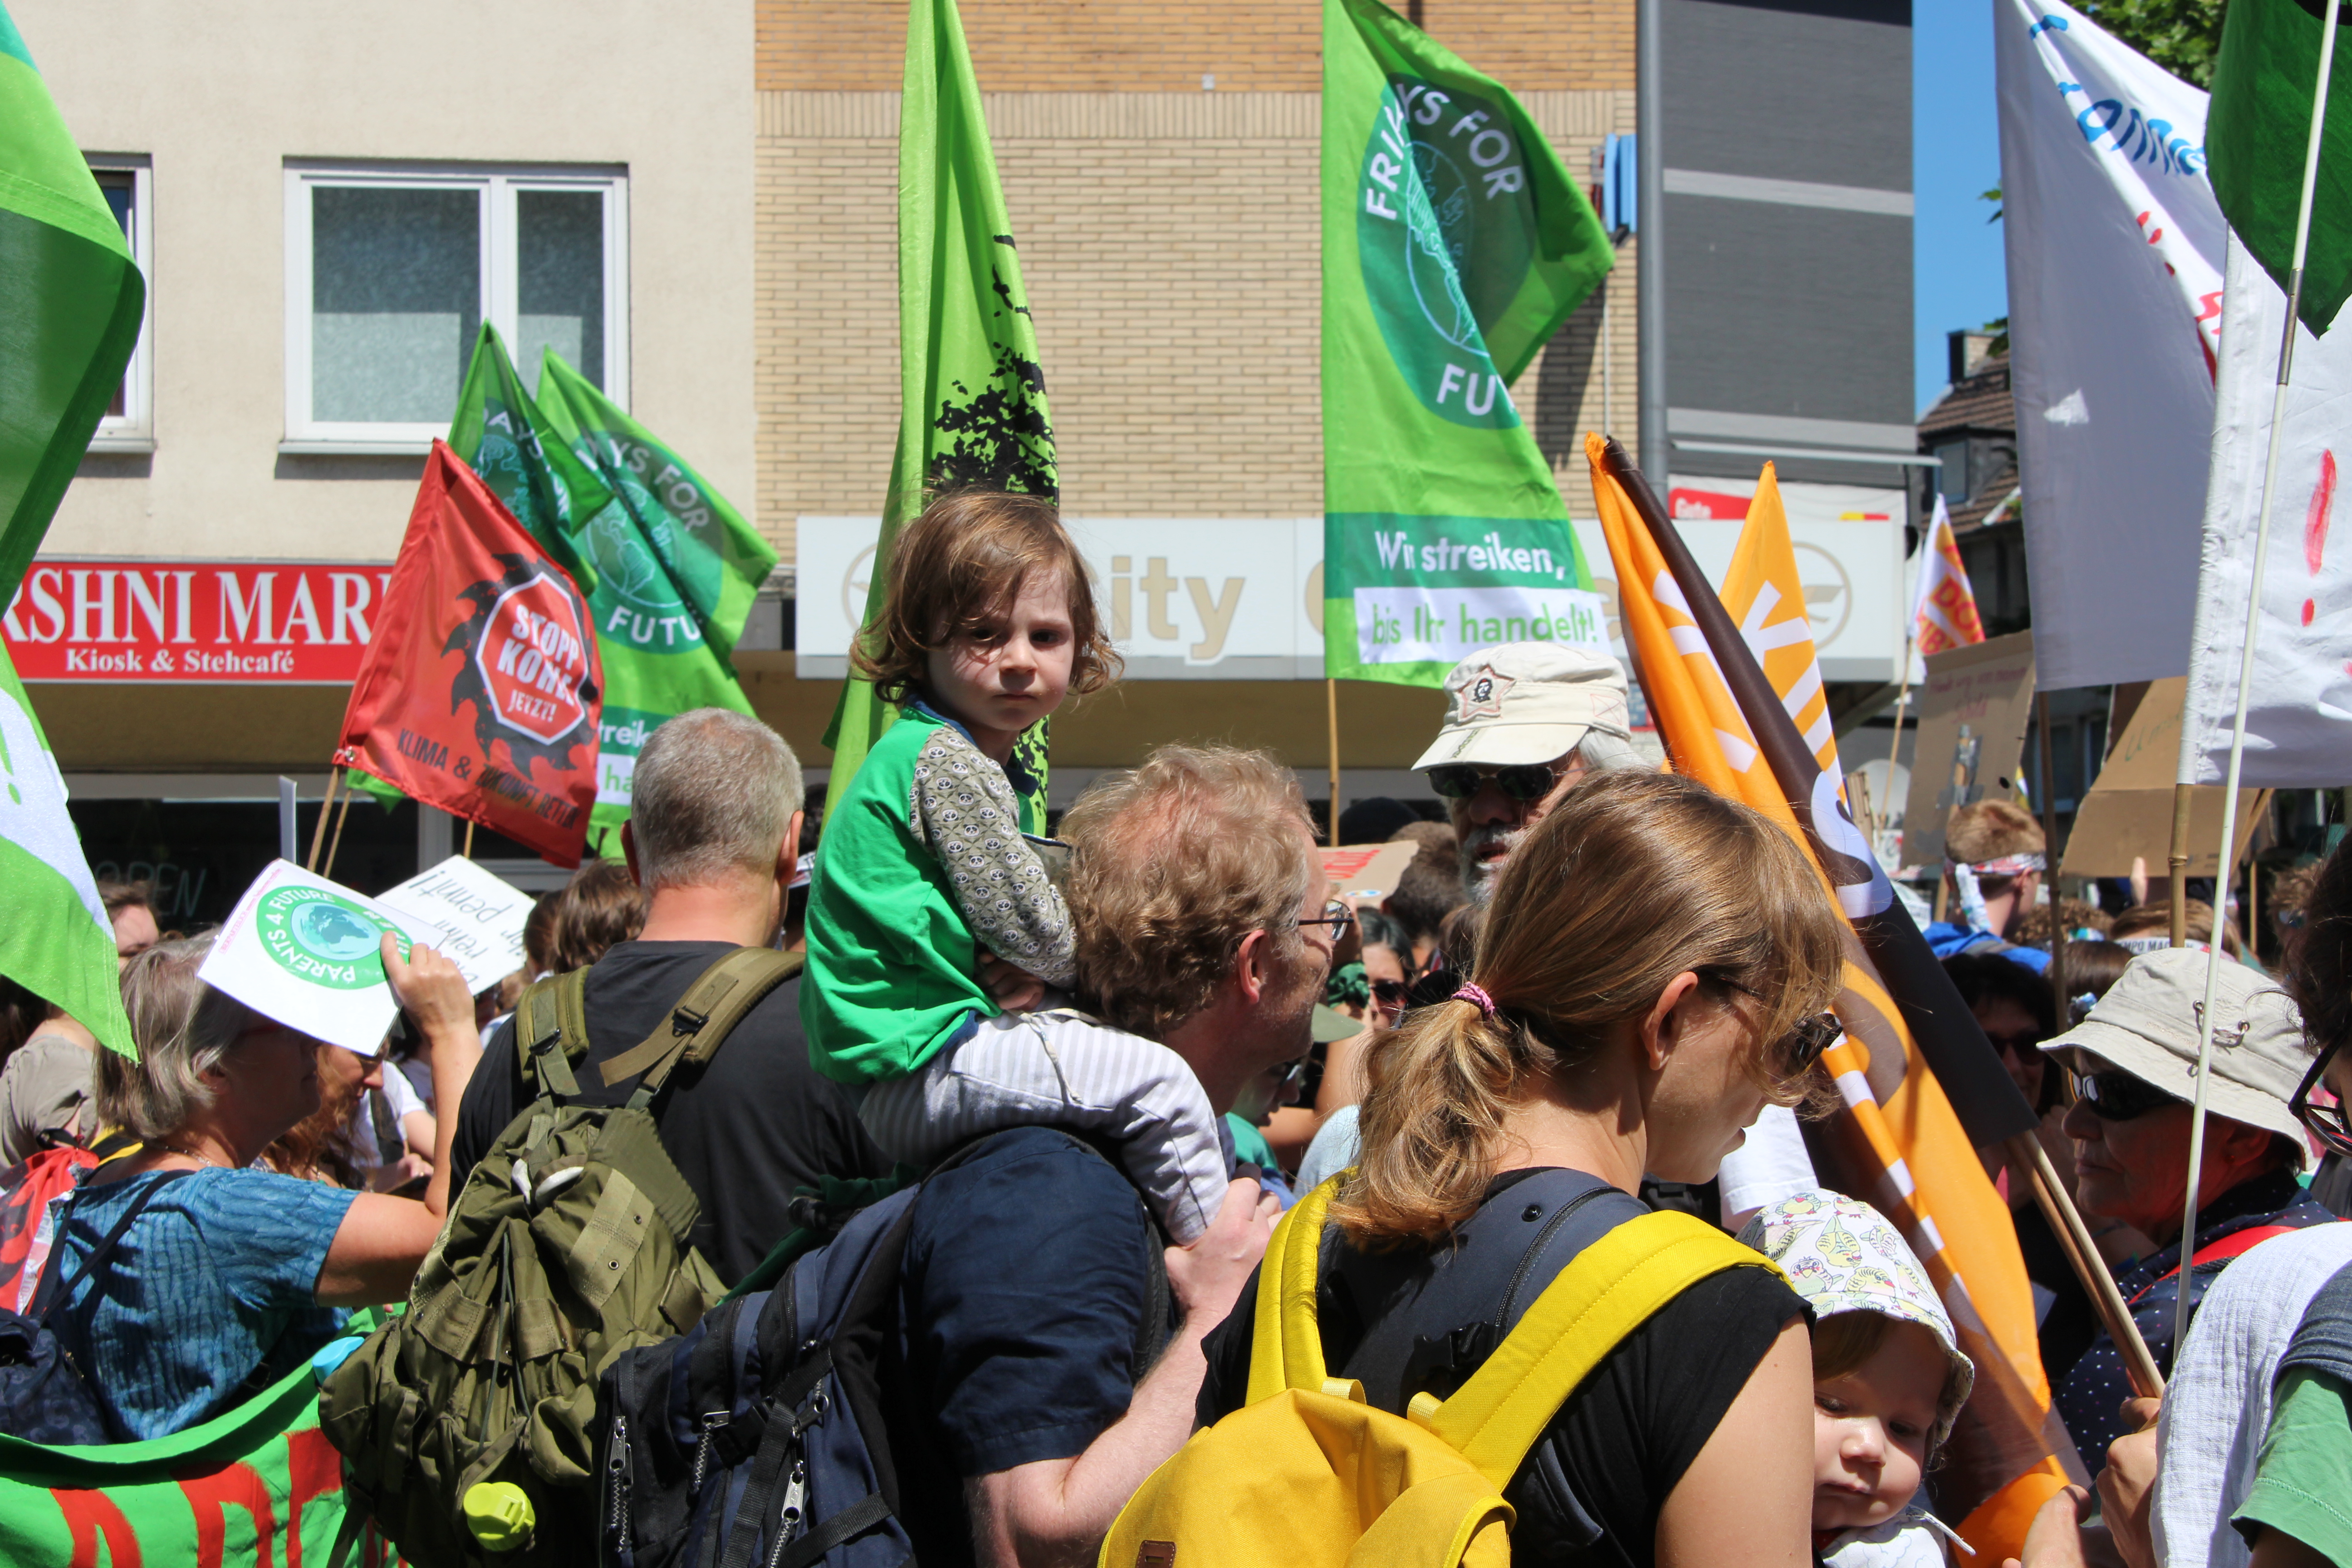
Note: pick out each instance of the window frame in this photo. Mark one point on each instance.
(133, 430)
(497, 186)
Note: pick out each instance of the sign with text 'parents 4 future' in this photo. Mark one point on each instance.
(477, 918)
(308, 953)
(1453, 246)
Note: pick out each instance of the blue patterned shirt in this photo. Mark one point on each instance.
(211, 1295)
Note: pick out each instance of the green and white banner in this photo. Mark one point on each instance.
(1455, 245)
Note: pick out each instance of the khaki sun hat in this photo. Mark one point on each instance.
(2147, 1025)
(1532, 702)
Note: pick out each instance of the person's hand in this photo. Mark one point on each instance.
(1208, 1275)
(2125, 1484)
(410, 1167)
(431, 989)
(1011, 987)
(2055, 1539)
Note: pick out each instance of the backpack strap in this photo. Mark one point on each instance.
(702, 1019)
(1286, 1340)
(550, 1029)
(48, 1296)
(1607, 1291)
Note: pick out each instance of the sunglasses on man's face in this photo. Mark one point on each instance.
(2116, 1096)
(1523, 782)
(2329, 1124)
(1390, 993)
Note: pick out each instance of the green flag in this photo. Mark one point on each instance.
(1453, 246)
(2257, 133)
(972, 398)
(71, 302)
(667, 597)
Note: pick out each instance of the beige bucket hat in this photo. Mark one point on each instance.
(2147, 1025)
(1531, 702)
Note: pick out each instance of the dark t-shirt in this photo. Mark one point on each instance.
(1028, 1275)
(1590, 1491)
(746, 1129)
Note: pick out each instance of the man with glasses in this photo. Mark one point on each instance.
(2131, 1064)
(1525, 723)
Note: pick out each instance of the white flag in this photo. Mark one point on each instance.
(1943, 611)
(2299, 722)
(2116, 249)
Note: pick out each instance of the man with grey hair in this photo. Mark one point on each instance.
(1525, 723)
(714, 839)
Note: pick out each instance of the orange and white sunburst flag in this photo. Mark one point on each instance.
(1943, 611)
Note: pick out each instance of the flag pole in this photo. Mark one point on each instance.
(1331, 709)
(1901, 701)
(2206, 1021)
(469, 851)
(337, 841)
(326, 808)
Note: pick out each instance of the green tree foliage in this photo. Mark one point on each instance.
(2182, 35)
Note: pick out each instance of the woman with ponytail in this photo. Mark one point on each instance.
(1655, 967)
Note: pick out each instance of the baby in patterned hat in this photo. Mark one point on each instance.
(1887, 1377)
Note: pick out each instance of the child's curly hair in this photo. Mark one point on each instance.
(963, 561)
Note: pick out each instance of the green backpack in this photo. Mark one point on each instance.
(467, 1419)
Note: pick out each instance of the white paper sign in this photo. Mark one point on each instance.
(306, 952)
(479, 917)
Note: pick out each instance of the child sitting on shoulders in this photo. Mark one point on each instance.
(987, 622)
(1888, 1378)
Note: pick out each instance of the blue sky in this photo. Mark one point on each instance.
(1957, 271)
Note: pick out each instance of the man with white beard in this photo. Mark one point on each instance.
(1525, 723)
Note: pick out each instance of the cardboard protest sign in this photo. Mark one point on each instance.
(1972, 717)
(481, 693)
(1367, 873)
(477, 918)
(307, 952)
(2127, 811)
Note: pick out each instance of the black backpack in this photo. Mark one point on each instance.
(45, 1396)
(757, 1438)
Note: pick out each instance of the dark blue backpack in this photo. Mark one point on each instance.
(43, 1395)
(757, 1439)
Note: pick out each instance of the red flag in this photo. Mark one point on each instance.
(481, 692)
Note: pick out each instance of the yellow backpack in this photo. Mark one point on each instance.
(1307, 1475)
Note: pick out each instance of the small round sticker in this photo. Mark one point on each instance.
(325, 940)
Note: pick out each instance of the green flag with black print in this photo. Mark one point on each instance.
(972, 397)
(666, 603)
(1455, 245)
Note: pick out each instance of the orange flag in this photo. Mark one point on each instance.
(1944, 614)
(1734, 686)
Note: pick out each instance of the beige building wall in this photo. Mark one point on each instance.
(1168, 240)
(221, 94)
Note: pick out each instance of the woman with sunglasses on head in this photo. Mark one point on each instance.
(1654, 968)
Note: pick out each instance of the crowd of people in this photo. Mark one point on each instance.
(1597, 989)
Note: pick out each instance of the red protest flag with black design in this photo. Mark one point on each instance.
(480, 692)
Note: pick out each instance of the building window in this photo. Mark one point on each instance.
(391, 272)
(129, 423)
(1952, 479)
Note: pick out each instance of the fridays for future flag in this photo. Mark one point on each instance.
(972, 395)
(1454, 245)
(71, 302)
(1734, 683)
(2114, 250)
(1943, 611)
(2260, 131)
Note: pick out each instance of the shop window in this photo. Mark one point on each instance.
(129, 423)
(392, 271)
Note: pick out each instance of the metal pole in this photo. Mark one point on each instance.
(1901, 701)
(1650, 268)
(2206, 1021)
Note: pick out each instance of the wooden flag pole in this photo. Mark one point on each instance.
(2026, 1153)
(468, 850)
(319, 834)
(337, 841)
(2207, 1020)
(1331, 708)
(2176, 859)
(2049, 784)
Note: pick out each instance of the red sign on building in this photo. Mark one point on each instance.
(196, 622)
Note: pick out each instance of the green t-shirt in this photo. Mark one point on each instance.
(1249, 1143)
(2299, 1481)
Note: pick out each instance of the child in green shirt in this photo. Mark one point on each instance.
(988, 620)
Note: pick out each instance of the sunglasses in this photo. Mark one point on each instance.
(1807, 1037)
(1524, 782)
(2327, 1123)
(2117, 1096)
(1390, 993)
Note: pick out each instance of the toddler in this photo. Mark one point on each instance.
(987, 622)
(1887, 1378)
